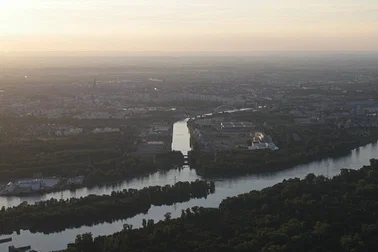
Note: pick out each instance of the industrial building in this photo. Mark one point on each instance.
(30, 185)
(236, 126)
(16, 249)
(21, 249)
(161, 129)
(260, 142)
(204, 123)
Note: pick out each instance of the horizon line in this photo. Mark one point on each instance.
(188, 52)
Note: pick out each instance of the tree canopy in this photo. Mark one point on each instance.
(313, 214)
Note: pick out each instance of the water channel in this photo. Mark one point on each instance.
(224, 188)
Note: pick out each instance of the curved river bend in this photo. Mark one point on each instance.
(224, 188)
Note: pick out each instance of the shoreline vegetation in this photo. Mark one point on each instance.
(316, 142)
(212, 170)
(272, 167)
(216, 164)
(118, 170)
(312, 214)
(57, 215)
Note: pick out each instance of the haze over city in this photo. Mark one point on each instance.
(197, 25)
(188, 125)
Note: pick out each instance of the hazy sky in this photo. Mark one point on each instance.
(188, 25)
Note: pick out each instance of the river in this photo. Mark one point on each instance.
(224, 188)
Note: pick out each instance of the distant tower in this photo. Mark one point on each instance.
(175, 202)
(93, 90)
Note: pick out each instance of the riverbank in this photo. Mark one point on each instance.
(214, 170)
(53, 215)
(313, 214)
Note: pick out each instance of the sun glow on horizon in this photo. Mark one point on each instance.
(188, 25)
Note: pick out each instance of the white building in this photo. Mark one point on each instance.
(258, 146)
(261, 142)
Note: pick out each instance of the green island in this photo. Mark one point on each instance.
(56, 215)
(297, 144)
(313, 214)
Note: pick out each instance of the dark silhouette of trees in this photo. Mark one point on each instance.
(167, 216)
(54, 215)
(313, 214)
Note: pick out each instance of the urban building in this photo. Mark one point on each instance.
(236, 126)
(161, 129)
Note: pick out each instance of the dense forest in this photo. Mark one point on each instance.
(132, 166)
(53, 215)
(81, 155)
(99, 157)
(310, 215)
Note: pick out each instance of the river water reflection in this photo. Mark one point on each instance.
(224, 188)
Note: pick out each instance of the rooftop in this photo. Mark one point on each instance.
(155, 143)
(237, 125)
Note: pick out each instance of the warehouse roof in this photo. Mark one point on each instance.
(226, 125)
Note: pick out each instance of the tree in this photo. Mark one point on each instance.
(310, 177)
(183, 213)
(84, 243)
(321, 228)
(127, 227)
(351, 243)
(195, 210)
(150, 223)
(167, 216)
(188, 212)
